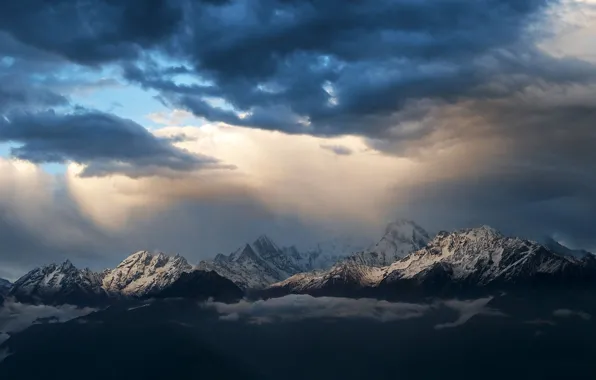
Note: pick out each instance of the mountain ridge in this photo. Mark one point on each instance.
(143, 272)
(59, 283)
(404, 258)
(469, 258)
(263, 262)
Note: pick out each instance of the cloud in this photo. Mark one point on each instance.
(105, 143)
(328, 69)
(566, 313)
(91, 32)
(15, 316)
(469, 309)
(337, 149)
(173, 118)
(30, 201)
(300, 307)
(267, 174)
(521, 165)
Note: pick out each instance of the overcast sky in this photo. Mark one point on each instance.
(192, 126)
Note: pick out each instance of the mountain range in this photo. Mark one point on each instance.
(262, 263)
(464, 260)
(406, 260)
(144, 274)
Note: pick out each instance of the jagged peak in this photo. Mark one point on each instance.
(483, 231)
(147, 257)
(405, 228)
(264, 240)
(402, 233)
(145, 253)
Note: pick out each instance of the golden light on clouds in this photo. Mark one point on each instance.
(286, 173)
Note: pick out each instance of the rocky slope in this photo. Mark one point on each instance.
(142, 273)
(136, 276)
(364, 268)
(471, 258)
(59, 284)
(262, 263)
(400, 238)
(201, 285)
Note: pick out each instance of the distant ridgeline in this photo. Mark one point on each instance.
(405, 262)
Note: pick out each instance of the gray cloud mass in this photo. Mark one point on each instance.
(106, 143)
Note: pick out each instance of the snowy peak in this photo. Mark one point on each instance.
(138, 274)
(481, 233)
(263, 262)
(401, 238)
(407, 231)
(482, 256)
(468, 258)
(144, 272)
(59, 283)
(265, 245)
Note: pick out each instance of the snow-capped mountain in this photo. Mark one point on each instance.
(482, 256)
(401, 237)
(559, 248)
(364, 268)
(470, 258)
(57, 284)
(143, 272)
(136, 276)
(5, 286)
(262, 263)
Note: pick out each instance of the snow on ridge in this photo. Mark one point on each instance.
(143, 272)
(481, 255)
(262, 263)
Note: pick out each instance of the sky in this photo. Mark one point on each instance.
(193, 126)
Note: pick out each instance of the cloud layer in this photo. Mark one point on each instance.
(301, 307)
(15, 316)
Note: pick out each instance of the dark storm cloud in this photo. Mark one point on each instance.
(317, 67)
(327, 67)
(89, 31)
(14, 96)
(105, 143)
